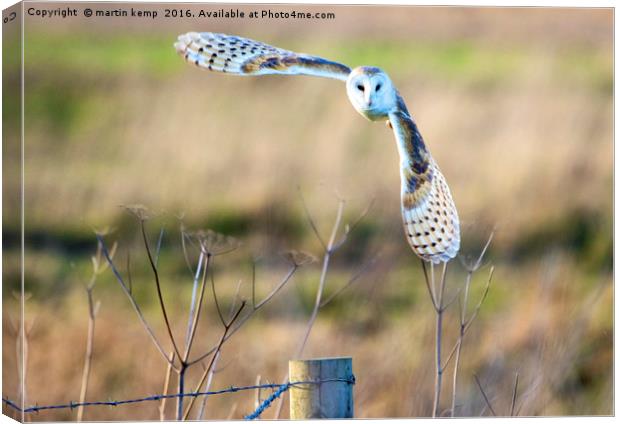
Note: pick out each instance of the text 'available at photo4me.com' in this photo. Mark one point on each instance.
(90, 11)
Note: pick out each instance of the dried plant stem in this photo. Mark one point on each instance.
(206, 372)
(203, 405)
(135, 306)
(192, 306)
(484, 395)
(328, 251)
(438, 335)
(242, 320)
(257, 400)
(192, 331)
(319, 294)
(23, 363)
(196, 315)
(457, 360)
(162, 404)
(21, 356)
(158, 286)
(92, 312)
(232, 411)
(464, 322)
(514, 395)
(181, 390)
(211, 244)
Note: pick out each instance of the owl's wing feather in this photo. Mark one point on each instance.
(430, 218)
(243, 56)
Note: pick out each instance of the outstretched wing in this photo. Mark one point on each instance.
(242, 56)
(430, 217)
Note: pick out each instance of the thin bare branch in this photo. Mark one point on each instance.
(428, 286)
(468, 323)
(192, 304)
(189, 236)
(235, 316)
(484, 296)
(484, 250)
(451, 301)
(332, 237)
(459, 346)
(450, 355)
(349, 228)
(135, 306)
(233, 304)
(362, 215)
(212, 361)
(128, 267)
(158, 286)
(319, 293)
(514, 395)
(257, 399)
(310, 220)
(242, 321)
(11, 321)
(276, 289)
(159, 241)
(203, 405)
(484, 395)
(222, 367)
(463, 307)
(442, 287)
(438, 336)
(184, 248)
(88, 356)
(483, 410)
(216, 301)
(464, 324)
(519, 409)
(472, 265)
(527, 393)
(233, 409)
(196, 317)
(253, 285)
(352, 280)
(162, 404)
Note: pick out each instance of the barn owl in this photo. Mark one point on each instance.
(429, 216)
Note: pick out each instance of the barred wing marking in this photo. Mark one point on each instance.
(243, 56)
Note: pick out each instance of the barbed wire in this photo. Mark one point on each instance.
(267, 402)
(281, 388)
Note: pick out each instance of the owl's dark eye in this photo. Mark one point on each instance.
(360, 87)
(378, 87)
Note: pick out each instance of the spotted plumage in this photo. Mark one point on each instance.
(430, 218)
(242, 56)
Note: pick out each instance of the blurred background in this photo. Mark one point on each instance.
(515, 104)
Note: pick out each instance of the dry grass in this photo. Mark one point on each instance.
(538, 333)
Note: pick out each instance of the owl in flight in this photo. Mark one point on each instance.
(430, 218)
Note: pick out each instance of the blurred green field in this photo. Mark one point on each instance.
(518, 113)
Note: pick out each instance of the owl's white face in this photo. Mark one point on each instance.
(371, 92)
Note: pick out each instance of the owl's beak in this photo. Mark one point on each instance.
(367, 97)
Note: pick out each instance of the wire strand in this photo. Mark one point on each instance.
(281, 388)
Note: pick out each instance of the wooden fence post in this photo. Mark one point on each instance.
(332, 399)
